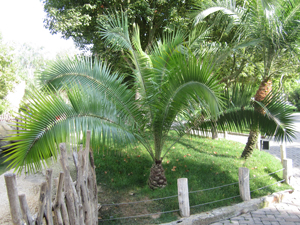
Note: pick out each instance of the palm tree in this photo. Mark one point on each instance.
(272, 27)
(82, 93)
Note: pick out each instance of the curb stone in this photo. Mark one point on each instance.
(227, 212)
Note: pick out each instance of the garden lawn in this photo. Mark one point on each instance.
(122, 177)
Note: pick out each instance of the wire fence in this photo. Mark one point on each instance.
(266, 174)
(268, 186)
(190, 192)
(138, 216)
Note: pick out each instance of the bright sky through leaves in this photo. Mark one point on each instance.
(21, 21)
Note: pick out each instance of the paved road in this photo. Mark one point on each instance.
(287, 212)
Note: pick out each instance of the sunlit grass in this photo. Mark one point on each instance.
(206, 163)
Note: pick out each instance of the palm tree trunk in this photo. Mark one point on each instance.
(249, 148)
(264, 89)
(157, 177)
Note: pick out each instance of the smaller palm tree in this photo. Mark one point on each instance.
(82, 93)
(272, 29)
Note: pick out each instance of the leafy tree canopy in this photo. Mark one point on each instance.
(7, 73)
(78, 19)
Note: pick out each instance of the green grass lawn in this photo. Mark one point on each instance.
(206, 163)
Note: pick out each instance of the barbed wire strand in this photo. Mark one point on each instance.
(213, 188)
(267, 174)
(191, 192)
(126, 203)
(143, 215)
(214, 201)
(268, 185)
(150, 200)
(194, 206)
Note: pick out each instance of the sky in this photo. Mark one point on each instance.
(21, 21)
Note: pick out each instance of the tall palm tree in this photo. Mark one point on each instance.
(273, 28)
(82, 93)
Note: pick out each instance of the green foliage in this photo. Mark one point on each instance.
(7, 73)
(79, 20)
(294, 97)
(268, 32)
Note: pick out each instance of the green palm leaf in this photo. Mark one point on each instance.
(49, 121)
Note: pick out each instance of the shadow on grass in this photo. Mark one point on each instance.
(125, 180)
(185, 144)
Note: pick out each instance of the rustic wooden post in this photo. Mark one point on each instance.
(288, 170)
(48, 212)
(25, 210)
(60, 209)
(183, 197)
(244, 183)
(42, 203)
(12, 192)
(282, 152)
(70, 198)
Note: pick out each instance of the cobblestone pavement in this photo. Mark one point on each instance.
(288, 211)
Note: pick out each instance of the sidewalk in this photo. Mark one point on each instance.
(288, 211)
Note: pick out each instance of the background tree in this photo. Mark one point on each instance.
(7, 73)
(79, 20)
(294, 97)
(272, 28)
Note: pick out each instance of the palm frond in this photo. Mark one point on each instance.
(49, 121)
(92, 74)
(276, 121)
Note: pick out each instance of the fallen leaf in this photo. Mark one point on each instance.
(188, 154)
(139, 156)
(173, 169)
(105, 172)
(215, 153)
(187, 171)
(168, 161)
(177, 160)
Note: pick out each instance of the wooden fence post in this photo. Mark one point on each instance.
(14, 204)
(244, 183)
(225, 134)
(288, 170)
(282, 152)
(183, 197)
(25, 210)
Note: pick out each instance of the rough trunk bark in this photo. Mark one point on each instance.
(264, 89)
(252, 139)
(157, 177)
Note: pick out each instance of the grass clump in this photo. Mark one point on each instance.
(205, 162)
